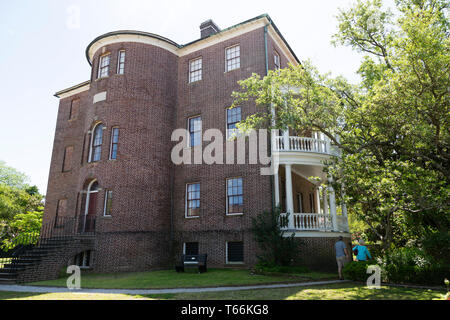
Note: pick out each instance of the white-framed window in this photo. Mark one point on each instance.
(195, 131)
(311, 203)
(192, 200)
(108, 203)
(83, 259)
(234, 252)
(235, 196)
(114, 143)
(276, 60)
(190, 248)
(232, 58)
(103, 66)
(195, 70)
(233, 117)
(96, 143)
(121, 62)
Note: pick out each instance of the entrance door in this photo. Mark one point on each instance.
(91, 212)
(300, 202)
(91, 207)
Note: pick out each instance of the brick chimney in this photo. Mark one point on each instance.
(208, 28)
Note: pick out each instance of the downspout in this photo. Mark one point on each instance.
(272, 177)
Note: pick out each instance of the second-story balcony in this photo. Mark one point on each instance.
(300, 185)
(302, 144)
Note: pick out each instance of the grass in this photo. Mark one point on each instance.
(339, 291)
(190, 278)
(5, 295)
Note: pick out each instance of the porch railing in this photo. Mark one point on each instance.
(303, 144)
(308, 221)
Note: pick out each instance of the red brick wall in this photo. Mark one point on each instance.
(147, 103)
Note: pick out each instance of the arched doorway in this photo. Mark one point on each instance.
(90, 210)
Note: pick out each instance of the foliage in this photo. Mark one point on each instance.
(23, 229)
(392, 128)
(414, 266)
(277, 250)
(357, 270)
(20, 206)
(11, 177)
(438, 246)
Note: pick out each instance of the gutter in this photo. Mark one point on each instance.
(270, 133)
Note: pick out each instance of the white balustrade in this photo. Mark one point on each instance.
(303, 144)
(309, 221)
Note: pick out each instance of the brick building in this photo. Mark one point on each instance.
(111, 173)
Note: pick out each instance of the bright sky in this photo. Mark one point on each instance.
(43, 50)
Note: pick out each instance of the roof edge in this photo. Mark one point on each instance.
(132, 32)
(152, 35)
(72, 88)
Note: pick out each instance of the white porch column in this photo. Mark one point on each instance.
(289, 196)
(276, 186)
(317, 200)
(333, 208)
(344, 206)
(286, 139)
(325, 200)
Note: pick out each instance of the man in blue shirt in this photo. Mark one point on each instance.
(341, 255)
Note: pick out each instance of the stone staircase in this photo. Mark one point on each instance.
(30, 258)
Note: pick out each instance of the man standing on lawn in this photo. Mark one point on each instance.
(342, 255)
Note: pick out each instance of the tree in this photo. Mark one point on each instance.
(277, 250)
(392, 127)
(19, 202)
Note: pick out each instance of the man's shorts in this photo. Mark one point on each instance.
(341, 261)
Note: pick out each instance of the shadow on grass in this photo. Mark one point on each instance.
(340, 291)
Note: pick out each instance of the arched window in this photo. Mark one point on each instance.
(96, 143)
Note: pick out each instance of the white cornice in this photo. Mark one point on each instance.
(214, 39)
(70, 92)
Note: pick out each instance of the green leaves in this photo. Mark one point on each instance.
(393, 127)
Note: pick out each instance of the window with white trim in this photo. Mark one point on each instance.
(235, 197)
(103, 66)
(235, 252)
(233, 58)
(311, 203)
(195, 131)
(190, 248)
(195, 70)
(233, 117)
(114, 143)
(108, 203)
(83, 259)
(121, 62)
(96, 143)
(192, 199)
(276, 61)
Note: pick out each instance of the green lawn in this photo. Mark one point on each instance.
(188, 279)
(339, 291)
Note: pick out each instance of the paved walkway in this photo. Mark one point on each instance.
(34, 289)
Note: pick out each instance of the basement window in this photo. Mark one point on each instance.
(83, 259)
(235, 252)
(190, 248)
